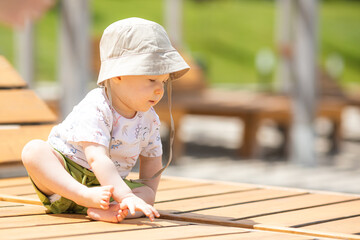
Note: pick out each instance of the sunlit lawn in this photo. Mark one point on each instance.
(224, 35)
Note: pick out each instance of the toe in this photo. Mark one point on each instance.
(104, 204)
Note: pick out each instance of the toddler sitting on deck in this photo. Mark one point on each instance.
(83, 165)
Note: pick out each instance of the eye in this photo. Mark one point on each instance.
(151, 80)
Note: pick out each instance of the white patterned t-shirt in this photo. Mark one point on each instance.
(95, 120)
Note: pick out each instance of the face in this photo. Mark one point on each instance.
(131, 94)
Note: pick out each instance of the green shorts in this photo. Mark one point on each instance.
(82, 175)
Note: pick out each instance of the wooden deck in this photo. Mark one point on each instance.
(193, 209)
(190, 209)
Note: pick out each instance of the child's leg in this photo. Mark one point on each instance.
(46, 168)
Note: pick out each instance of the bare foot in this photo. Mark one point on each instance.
(96, 197)
(114, 214)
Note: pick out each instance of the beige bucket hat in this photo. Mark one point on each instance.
(136, 46)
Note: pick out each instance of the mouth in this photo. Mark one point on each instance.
(152, 101)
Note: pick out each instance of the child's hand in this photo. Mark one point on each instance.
(134, 203)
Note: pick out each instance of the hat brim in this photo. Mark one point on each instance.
(155, 63)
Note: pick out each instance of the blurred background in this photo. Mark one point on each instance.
(273, 96)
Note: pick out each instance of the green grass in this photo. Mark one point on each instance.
(340, 33)
(225, 35)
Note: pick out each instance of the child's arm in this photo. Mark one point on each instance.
(104, 169)
(148, 167)
(106, 173)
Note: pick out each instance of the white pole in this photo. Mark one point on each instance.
(305, 83)
(284, 39)
(173, 21)
(25, 52)
(74, 63)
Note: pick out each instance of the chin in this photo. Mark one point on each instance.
(144, 109)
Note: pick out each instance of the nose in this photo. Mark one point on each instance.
(159, 90)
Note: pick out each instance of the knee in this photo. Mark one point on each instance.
(32, 150)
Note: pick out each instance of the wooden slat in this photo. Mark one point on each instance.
(14, 138)
(311, 233)
(168, 183)
(275, 206)
(249, 224)
(254, 235)
(31, 196)
(197, 191)
(8, 182)
(312, 215)
(225, 199)
(19, 190)
(84, 228)
(8, 204)
(43, 219)
(348, 225)
(8, 75)
(17, 199)
(17, 209)
(23, 106)
(155, 233)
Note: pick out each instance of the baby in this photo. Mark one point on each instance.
(83, 165)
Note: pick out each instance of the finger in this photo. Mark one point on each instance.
(150, 215)
(147, 211)
(155, 212)
(151, 211)
(124, 206)
(131, 208)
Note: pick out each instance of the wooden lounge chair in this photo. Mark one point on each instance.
(23, 115)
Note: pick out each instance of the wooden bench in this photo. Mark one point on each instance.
(192, 96)
(23, 115)
(354, 100)
(193, 209)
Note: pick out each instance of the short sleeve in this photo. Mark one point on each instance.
(90, 121)
(153, 146)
